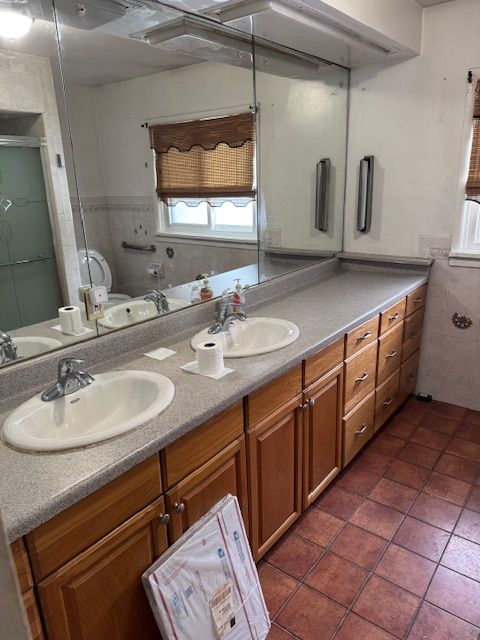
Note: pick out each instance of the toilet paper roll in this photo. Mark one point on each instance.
(70, 320)
(209, 358)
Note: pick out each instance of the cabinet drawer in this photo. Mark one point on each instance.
(413, 324)
(408, 377)
(389, 353)
(410, 345)
(22, 565)
(358, 428)
(386, 399)
(75, 529)
(416, 300)
(189, 453)
(361, 336)
(272, 396)
(392, 316)
(323, 362)
(360, 372)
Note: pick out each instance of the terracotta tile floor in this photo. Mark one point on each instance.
(392, 548)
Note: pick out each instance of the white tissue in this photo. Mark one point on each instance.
(70, 320)
(209, 356)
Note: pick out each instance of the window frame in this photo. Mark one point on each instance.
(163, 226)
(464, 249)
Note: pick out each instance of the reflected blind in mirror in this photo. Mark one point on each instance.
(473, 181)
(207, 160)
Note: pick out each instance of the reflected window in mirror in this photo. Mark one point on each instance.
(205, 177)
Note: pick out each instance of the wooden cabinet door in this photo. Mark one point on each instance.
(191, 498)
(322, 434)
(275, 475)
(99, 595)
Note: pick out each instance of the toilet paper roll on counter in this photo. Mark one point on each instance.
(209, 358)
(70, 320)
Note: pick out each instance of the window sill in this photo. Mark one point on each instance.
(207, 240)
(464, 259)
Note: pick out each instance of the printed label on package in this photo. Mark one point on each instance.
(223, 608)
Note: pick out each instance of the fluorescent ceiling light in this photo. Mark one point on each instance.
(14, 24)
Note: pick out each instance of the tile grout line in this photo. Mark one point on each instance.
(363, 498)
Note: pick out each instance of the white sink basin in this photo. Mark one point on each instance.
(251, 337)
(126, 313)
(114, 403)
(30, 346)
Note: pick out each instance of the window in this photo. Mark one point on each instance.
(205, 177)
(466, 242)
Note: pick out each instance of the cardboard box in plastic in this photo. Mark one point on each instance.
(206, 586)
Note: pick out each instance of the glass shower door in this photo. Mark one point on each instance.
(27, 256)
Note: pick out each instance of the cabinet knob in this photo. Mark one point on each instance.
(364, 337)
(363, 378)
(391, 355)
(311, 402)
(179, 507)
(395, 316)
(304, 406)
(361, 431)
(164, 518)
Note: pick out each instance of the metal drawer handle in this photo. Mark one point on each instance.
(179, 507)
(391, 355)
(363, 378)
(365, 336)
(414, 336)
(395, 316)
(361, 431)
(411, 378)
(417, 300)
(388, 402)
(164, 518)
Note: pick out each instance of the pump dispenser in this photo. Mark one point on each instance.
(238, 298)
(206, 292)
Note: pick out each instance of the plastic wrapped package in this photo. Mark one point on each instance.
(206, 586)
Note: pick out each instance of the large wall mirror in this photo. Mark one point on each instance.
(162, 155)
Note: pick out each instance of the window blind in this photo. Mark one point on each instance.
(473, 181)
(205, 160)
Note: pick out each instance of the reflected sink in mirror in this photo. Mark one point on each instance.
(122, 315)
(29, 346)
(116, 402)
(252, 337)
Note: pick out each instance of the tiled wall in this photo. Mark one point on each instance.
(450, 357)
(109, 221)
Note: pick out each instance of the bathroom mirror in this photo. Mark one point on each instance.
(174, 163)
(39, 271)
(302, 136)
(162, 120)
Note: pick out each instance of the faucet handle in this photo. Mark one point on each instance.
(67, 365)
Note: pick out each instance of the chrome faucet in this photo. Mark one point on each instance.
(69, 380)
(8, 348)
(225, 315)
(159, 299)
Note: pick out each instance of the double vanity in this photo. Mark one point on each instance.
(274, 432)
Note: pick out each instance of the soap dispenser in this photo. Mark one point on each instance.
(238, 298)
(206, 292)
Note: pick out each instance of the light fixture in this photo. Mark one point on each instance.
(14, 24)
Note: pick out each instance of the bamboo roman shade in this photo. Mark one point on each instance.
(205, 160)
(473, 181)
